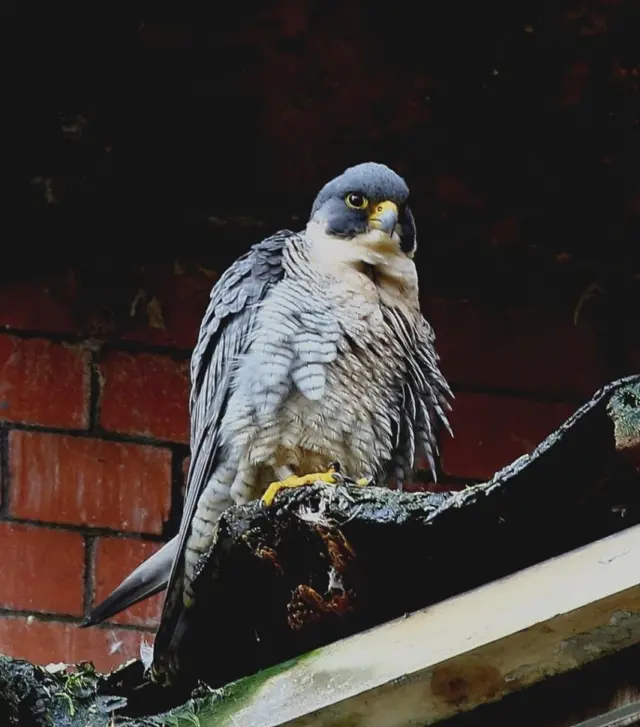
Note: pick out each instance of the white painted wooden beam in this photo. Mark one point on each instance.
(477, 647)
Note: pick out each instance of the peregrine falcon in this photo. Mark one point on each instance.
(313, 350)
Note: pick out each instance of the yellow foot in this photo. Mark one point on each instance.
(294, 481)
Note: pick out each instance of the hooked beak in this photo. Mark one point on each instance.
(384, 216)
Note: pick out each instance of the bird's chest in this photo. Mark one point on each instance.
(347, 413)
(352, 421)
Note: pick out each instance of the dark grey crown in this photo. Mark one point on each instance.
(375, 181)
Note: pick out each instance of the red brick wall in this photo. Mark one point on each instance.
(93, 438)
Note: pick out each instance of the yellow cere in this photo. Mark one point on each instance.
(383, 207)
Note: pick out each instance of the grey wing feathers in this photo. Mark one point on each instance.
(225, 333)
(297, 338)
(424, 399)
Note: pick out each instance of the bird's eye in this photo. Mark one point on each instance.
(356, 201)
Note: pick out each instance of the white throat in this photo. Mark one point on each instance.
(355, 257)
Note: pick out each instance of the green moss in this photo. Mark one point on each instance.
(46, 696)
(216, 709)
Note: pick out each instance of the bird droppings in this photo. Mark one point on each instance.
(603, 640)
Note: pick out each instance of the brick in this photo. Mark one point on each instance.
(457, 192)
(145, 395)
(42, 569)
(492, 431)
(573, 84)
(43, 383)
(36, 305)
(82, 481)
(186, 463)
(181, 298)
(46, 642)
(115, 558)
(517, 348)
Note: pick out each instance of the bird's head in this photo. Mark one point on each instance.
(365, 213)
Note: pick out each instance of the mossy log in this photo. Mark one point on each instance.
(326, 562)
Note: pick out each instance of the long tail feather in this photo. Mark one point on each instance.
(149, 578)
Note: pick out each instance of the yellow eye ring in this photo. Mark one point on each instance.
(356, 201)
